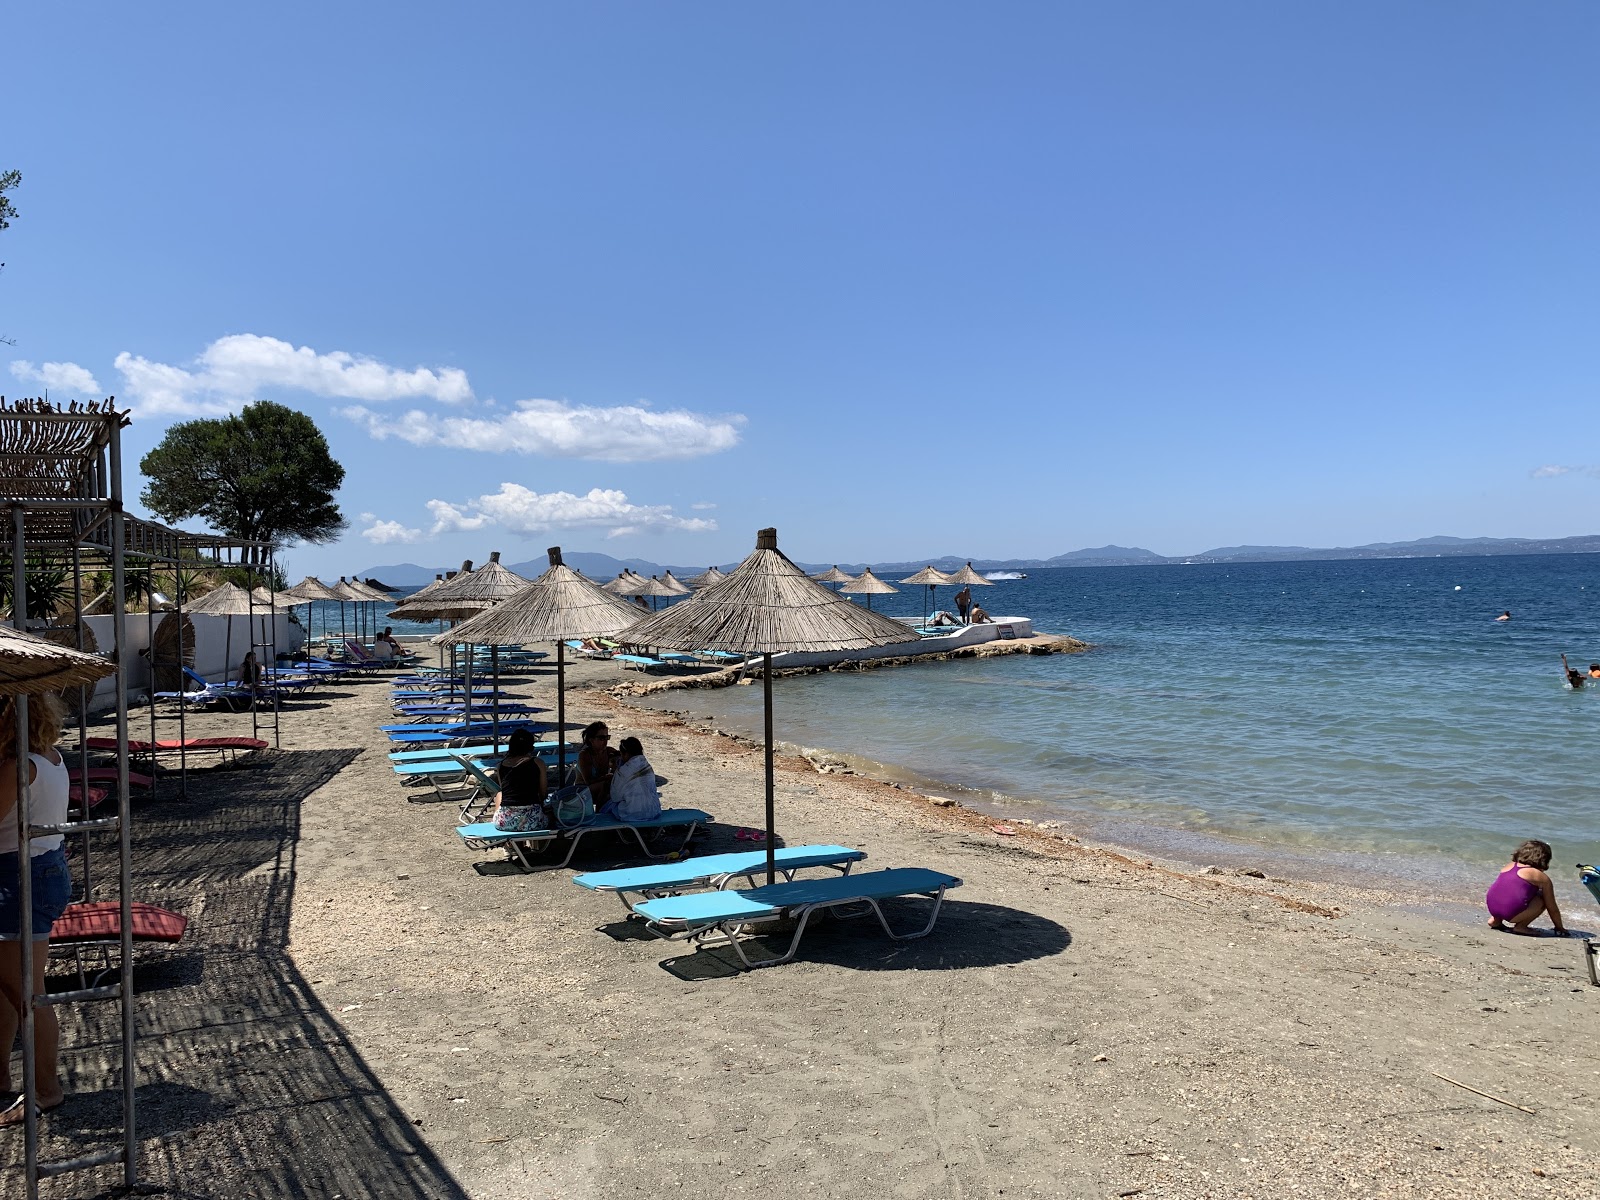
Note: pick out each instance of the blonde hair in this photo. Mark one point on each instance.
(45, 718)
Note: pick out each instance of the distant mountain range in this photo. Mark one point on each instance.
(602, 566)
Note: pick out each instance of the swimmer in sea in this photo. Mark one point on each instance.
(1574, 676)
(1505, 616)
(1594, 670)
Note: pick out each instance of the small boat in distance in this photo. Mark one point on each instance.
(1005, 574)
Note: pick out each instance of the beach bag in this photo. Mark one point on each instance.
(520, 819)
(572, 807)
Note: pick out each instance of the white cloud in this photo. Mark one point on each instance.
(233, 369)
(520, 510)
(1553, 471)
(383, 533)
(59, 377)
(703, 506)
(626, 433)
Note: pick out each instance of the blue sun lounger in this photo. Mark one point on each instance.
(452, 709)
(714, 871)
(442, 735)
(483, 835)
(729, 917)
(638, 662)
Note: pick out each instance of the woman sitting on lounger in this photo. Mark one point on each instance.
(596, 762)
(519, 804)
(633, 788)
(250, 673)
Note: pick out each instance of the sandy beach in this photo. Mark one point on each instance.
(363, 1007)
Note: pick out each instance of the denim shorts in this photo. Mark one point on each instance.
(52, 890)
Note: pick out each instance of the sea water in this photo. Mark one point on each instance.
(1369, 716)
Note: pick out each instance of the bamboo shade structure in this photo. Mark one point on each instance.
(677, 585)
(491, 582)
(653, 587)
(833, 575)
(32, 664)
(929, 575)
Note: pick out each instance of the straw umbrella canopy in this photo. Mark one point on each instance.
(32, 664)
(705, 579)
(833, 575)
(652, 587)
(934, 578)
(625, 579)
(560, 604)
(264, 598)
(230, 601)
(867, 584)
(308, 591)
(767, 606)
(677, 585)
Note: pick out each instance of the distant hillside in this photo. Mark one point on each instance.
(601, 567)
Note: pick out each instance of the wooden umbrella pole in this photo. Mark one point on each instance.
(772, 833)
(561, 712)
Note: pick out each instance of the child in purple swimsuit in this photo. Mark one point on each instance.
(1523, 891)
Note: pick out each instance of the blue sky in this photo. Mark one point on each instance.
(900, 279)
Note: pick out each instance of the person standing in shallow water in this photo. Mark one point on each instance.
(1574, 676)
(1523, 892)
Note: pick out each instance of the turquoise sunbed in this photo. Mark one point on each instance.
(728, 917)
(517, 844)
(437, 752)
(714, 871)
(639, 662)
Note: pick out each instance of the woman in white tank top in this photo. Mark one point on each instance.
(51, 885)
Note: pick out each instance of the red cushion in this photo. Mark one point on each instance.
(98, 922)
(226, 743)
(96, 795)
(222, 743)
(109, 774)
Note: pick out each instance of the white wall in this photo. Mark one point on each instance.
(217, 651)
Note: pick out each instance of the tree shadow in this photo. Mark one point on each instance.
(969, 935)
(245, 1084)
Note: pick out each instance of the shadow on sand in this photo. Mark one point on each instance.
(968, 935)
(246, 1085)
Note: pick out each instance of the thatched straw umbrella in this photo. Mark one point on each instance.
(677, 585)
(30, 664)
(230, 601)
(869, 585)
(308, 591)
(934, 578)
(767, 606)
(832, 575)
(705, 579)
(654, 588)
(465, 596)
(560, 604)
(625, 579)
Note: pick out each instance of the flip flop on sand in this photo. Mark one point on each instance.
(1004, 830)
(749, 835)
(14, 1113)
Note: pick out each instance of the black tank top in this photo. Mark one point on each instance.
(522, 783)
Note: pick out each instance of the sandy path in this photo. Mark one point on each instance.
(1080, 1024)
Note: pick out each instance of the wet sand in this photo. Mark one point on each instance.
(1081, 1022)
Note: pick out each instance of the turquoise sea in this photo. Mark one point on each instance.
(1365, 718)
